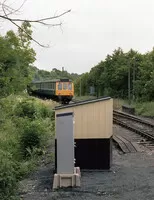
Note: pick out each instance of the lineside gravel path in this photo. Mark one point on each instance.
(131, 177)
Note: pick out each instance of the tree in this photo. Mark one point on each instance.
(144, 83)
(6, 12)
(16, 58)
(110, 77)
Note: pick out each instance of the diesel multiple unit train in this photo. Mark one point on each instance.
(61, 90)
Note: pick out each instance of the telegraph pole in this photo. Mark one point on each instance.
(80, 87)
(133, 80)
(129, 100)
(62, 71)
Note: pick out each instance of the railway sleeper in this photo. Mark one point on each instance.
(125, 145)
(128, 116)
(144, 134)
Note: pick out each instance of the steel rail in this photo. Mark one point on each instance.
(134, 118)
(136, 130)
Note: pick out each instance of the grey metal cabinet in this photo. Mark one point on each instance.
(65, 143)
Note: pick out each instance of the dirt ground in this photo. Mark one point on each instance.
(130, 178)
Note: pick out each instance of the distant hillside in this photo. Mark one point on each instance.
(55, 73)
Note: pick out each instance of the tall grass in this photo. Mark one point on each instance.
(117, 103)
(145, 109)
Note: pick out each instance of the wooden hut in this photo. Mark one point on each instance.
(92, 130)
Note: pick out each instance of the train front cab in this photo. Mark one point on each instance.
(65, 91)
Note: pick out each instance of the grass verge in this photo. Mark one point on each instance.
(141, 108)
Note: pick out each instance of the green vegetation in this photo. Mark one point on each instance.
(54, 74)
(110, 77)
(25, 127)
(144, 108)
(26, 124)
(141, 108)
(16, 58)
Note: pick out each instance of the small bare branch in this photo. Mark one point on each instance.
(7, 11)
(29, 35)
(10, 9)
(36, 21)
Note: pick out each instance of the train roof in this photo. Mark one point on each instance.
(53, 80)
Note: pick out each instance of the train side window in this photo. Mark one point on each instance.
(70, 86)
(48, 85)
(59, 86)
(64, 86)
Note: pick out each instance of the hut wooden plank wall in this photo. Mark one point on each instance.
(92, 132)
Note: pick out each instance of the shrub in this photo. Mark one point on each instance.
(44, 112)
(26, 108)
(25, 168)
(8, 174)
(32, 137)
(33, 109)
(25, 124)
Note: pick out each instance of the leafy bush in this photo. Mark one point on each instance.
(33, 109)
(26, 167)
(8, 174)
(26, 108)
(44, 112)
(32, 137)
(25, 125)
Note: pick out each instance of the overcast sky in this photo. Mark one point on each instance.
(93, 29)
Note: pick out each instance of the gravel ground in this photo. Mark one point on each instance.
(150, 119)
(130, 178)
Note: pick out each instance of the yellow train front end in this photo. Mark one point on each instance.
(65, 91)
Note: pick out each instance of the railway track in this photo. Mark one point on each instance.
(135, 124)
(74, 101)
(132, 117)
(143, 128)
(126, 145)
